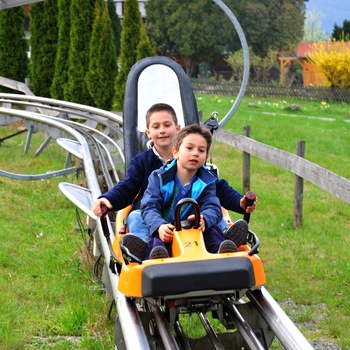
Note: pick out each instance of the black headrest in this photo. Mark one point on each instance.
(154, 80)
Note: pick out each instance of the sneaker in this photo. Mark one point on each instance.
(227, 246)
(159, 252)
(238, 232)
(135, 245)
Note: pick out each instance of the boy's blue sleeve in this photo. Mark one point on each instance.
(123, 194)
(228, 196)
(210, 206)
(151, 204)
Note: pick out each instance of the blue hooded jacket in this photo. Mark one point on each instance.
(131, 189)
(161, 184)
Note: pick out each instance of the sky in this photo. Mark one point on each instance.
(333, 12)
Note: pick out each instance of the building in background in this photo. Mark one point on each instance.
(119, 4)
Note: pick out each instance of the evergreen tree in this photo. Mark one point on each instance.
(194, 30)
(144, 48)
(81, 16)
(13, 45)
(269, 24)
(342, 33)
(116, 26)
(199, 30)
(129, 41)
(158, 30)
(60, 77)
(103, 60)
(43, 42)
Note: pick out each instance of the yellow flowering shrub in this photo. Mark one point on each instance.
(331, 61)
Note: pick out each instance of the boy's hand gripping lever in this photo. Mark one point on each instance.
(250, 197)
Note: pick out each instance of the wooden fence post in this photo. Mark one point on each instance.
(246, 163)
(298, 189)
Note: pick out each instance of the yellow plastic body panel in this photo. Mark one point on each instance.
(188, 246)
(119, 226)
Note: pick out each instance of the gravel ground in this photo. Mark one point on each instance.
(321, 310)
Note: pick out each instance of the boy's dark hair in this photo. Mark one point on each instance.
(158, 107)
(193, 129)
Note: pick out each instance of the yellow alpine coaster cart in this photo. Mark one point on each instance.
(161, 291)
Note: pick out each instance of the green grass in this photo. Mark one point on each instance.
(308, 265)
(48, 297)
(48, 293)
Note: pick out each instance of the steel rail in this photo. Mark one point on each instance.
(282, 326)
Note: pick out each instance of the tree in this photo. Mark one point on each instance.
(199, 30)
(82, 14)
(43, 42)
(191, 29)
(129, 41)
(116, 26)
(60, 77)
(341, 33)
(157, 29)
(270, 24)
(13, 45)
(332, 63)
(313, 27)
(144, 47)
(103, 67)
(187, 29)
(236, 62)
(260, 66)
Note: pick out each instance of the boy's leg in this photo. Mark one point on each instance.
(213, 238)
(133, 246)
(154, 245)
(137, 226)
(238, 232)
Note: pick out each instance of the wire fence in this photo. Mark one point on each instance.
(269, 90)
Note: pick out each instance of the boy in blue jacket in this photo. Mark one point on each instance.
(185, 176)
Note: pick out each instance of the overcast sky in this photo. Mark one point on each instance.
(333, 11)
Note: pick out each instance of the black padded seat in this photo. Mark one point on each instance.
(183, 277)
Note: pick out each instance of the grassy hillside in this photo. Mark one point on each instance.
(50, 298)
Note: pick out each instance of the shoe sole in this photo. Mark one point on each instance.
(238, 232)
(159, 253)
(227, 246)
(135, 245)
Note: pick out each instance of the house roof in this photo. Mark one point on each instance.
(304, 48)
(5, 4)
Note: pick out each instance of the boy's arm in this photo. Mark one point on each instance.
(210, 206)
(151, 204)
(228, 196)
(125, 191)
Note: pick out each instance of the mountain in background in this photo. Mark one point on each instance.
(333, 12)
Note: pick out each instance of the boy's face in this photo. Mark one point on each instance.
(192, 153)
(162, 129)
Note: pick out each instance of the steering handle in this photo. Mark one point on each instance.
(178, 207)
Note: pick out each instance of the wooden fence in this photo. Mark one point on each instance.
(302, 168)
(207, 86)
